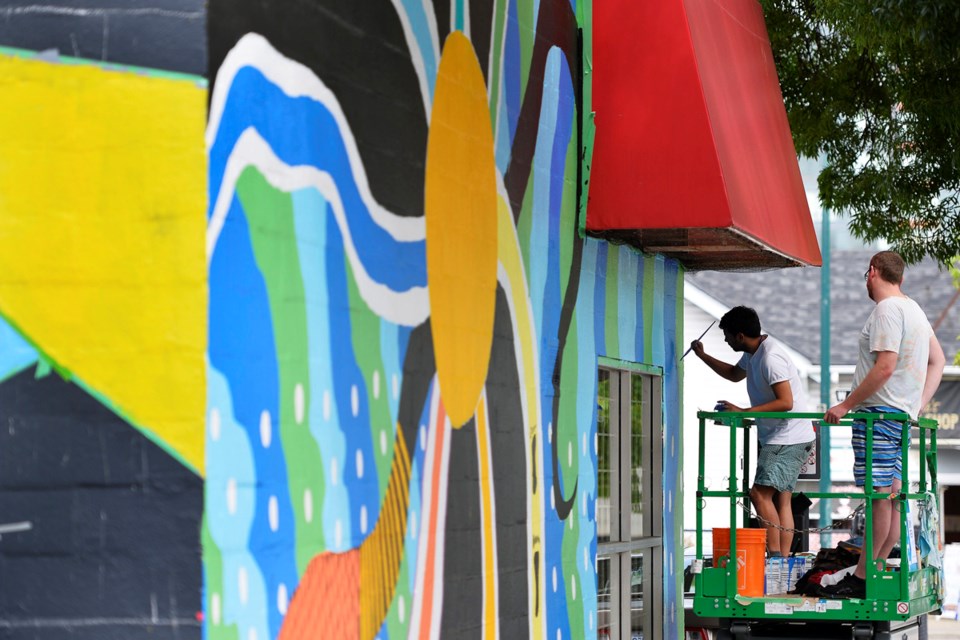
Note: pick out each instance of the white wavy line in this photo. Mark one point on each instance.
(416, 56)
(501, 49)
(409, 308)
(297, 80)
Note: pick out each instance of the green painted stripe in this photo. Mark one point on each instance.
(585, 20)
(528, 29)
(213, 584)
(524, 225)
(365, 336)
(270, 219)
(611, 316)
(589, 134)
(649, 289)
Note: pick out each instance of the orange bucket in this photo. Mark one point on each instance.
(751, 554)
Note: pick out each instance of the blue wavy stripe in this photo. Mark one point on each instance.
(512, 70)
(230, 457)
(362, 489)
(587, 426)
(672, 443)
(417, 18)
(302, 131)
(241, 346)
(503, 134)
(639, 343)
(600, 300)
(556, 120)
(458, 13)
(658, 347)
(627, 294)
(310, 213)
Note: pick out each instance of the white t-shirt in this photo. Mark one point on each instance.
(768, 366)
(897, 324)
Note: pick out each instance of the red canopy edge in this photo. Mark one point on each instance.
(693, 156)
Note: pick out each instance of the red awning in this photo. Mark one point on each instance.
(693, 156)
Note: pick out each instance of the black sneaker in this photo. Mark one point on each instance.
(850, 587)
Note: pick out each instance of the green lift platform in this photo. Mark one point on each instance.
(897, 598)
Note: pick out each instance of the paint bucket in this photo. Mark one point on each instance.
(751, 552)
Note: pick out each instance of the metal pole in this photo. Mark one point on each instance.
(824, 452)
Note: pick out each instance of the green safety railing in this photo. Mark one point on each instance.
(899, 596)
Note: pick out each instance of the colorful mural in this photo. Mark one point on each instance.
(405, 325)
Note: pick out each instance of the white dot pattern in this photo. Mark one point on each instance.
(215, 424)
(273, 513)
(266, 431)
(298, 403)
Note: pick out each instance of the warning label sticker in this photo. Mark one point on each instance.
(777, 608)
(903, 608)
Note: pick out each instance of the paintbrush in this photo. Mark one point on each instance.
(698, 339)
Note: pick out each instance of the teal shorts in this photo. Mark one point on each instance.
(778, 465)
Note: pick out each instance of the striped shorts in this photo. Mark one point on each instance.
(887, 463)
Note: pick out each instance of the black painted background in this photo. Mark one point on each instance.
(159, 34)
(114, 552)
(357, 48)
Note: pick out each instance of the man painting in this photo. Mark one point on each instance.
(773, 384)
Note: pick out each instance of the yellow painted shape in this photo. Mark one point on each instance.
(511, 261)
(102, 260)
(460, 203)
(381, 554)
(488, 524)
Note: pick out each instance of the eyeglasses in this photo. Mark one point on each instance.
(866, 274)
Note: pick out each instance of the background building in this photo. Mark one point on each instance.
(788, 303)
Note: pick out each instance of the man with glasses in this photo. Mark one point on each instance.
(899, 367)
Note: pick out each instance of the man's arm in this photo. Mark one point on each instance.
(935, 364)
(731, 372)
(877, 376)
(782, 402)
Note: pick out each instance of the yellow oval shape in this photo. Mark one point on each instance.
(460, 207)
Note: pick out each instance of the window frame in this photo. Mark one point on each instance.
(621, 548)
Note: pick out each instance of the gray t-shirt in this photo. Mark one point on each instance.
(768, 366)
(897, 324)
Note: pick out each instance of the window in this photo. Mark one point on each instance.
(629, 504)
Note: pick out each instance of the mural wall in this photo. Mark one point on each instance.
(405, 325)
(103, 312)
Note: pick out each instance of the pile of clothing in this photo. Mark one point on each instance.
(828, 568)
